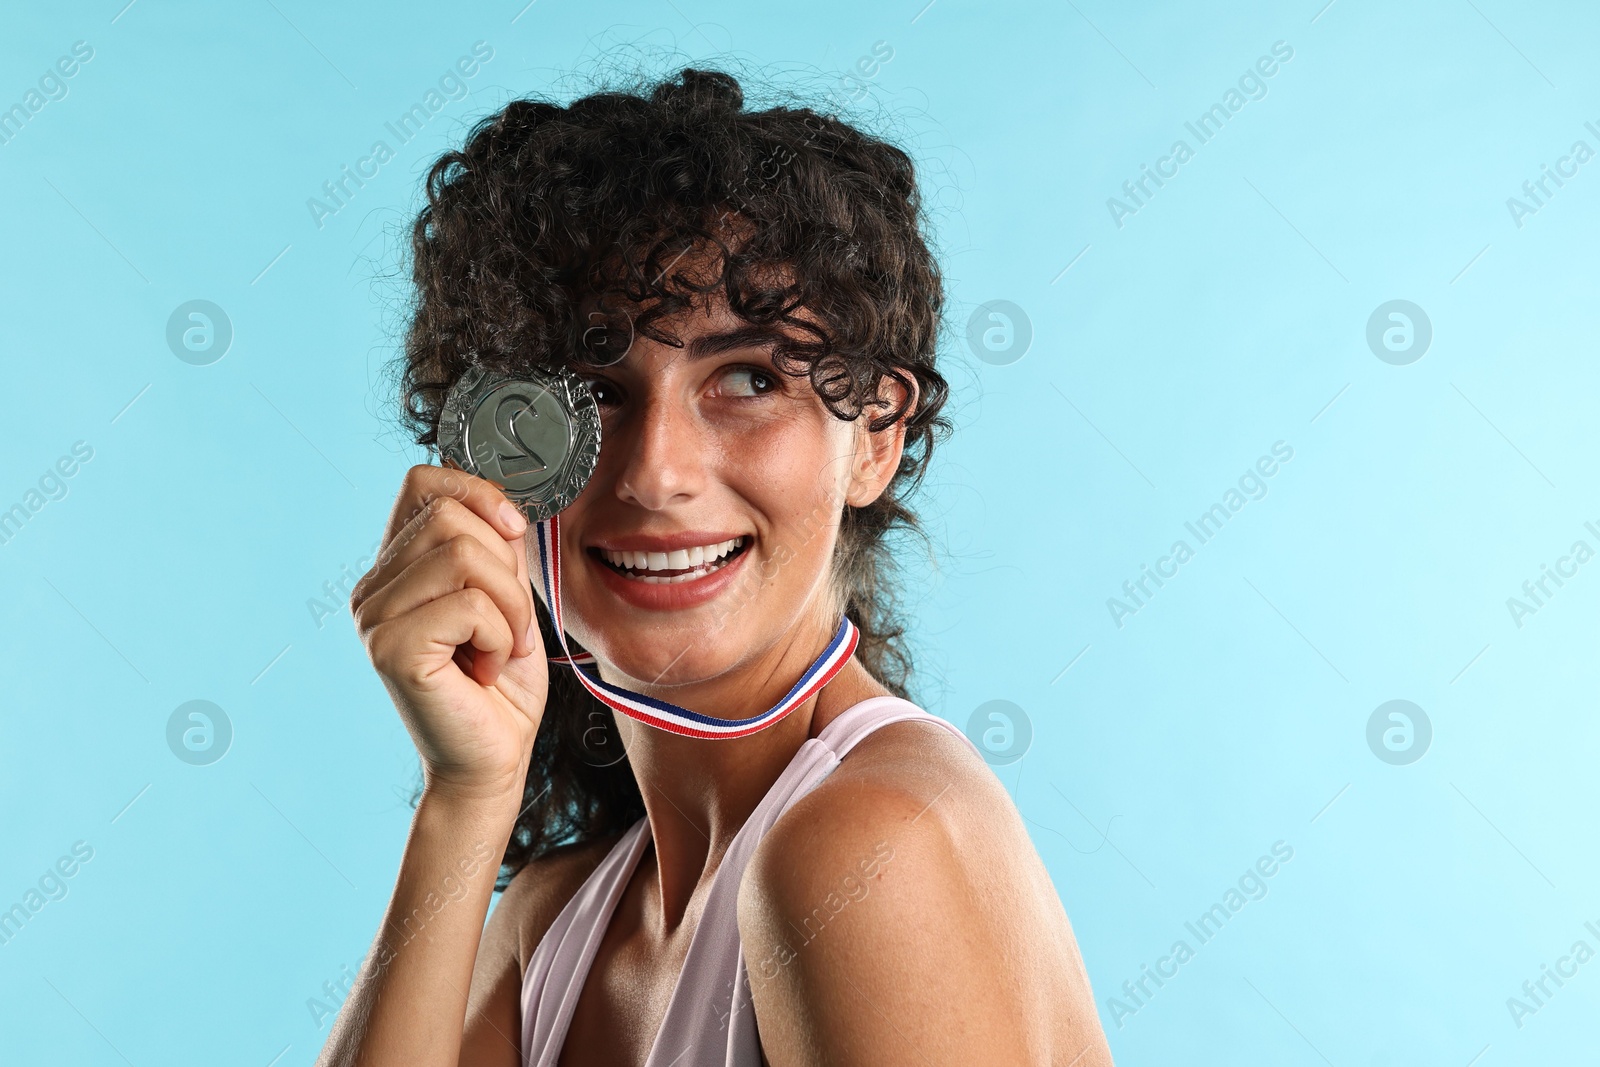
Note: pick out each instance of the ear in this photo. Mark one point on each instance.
(877, 455)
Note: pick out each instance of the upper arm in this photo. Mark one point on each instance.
(493, 1029)
(906, 919)
(492, 1033)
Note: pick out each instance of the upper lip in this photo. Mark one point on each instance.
(662, 542)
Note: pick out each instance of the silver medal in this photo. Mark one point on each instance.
(535, 434)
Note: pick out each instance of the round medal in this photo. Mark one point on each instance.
(535, 434)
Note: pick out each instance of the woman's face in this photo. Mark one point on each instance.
(704, 538)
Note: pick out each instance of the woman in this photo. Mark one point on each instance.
(750, 300)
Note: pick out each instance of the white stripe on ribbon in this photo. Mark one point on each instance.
(664, 714)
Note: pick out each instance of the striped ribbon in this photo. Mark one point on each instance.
(664, 714)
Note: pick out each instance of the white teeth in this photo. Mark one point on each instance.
(696, 561)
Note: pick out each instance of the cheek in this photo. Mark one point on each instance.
(794, 476)
(788, 459)
(792, 470)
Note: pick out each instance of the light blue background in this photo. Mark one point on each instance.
(1229, 313)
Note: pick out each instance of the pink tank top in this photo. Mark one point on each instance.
(706, 1023)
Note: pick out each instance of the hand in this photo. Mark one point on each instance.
(447, 618)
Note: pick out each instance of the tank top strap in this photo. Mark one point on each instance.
(560, 963)
(851, 726)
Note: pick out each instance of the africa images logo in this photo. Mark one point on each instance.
(1209, 123)
(1252, 884)
(1205, 526)
(451, 85)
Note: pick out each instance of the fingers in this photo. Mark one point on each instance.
(425, 483)
(460, 563)
(414, 647)
(433, 494)
(435, 505)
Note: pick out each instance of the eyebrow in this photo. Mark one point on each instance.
(713, 344)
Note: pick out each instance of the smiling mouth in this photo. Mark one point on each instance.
(670, 568)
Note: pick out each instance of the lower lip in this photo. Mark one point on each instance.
(669, 596)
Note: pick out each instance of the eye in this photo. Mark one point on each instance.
(745, 381)
(605, 393)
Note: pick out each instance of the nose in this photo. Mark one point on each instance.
(664, 460)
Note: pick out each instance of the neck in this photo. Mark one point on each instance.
(698, 793)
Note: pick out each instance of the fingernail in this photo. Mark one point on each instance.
(512, 518)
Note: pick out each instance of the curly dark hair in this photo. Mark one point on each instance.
(548, 213)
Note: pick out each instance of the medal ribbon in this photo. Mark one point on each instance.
(664, 714)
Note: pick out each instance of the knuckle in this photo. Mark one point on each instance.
(481, 603)
(431, 513)
(430, 507)
(360, 608)
(386, 649)
(446, 510)
(447, 482)
(457, 484)
(379, 650)
(411, 678)
(463, 549)
(366, 625)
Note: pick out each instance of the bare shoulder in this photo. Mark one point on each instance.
(911, 788)
(899, 913)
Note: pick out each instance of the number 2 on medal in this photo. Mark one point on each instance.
(505, 419)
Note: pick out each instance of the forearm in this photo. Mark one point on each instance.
(408, 1004)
